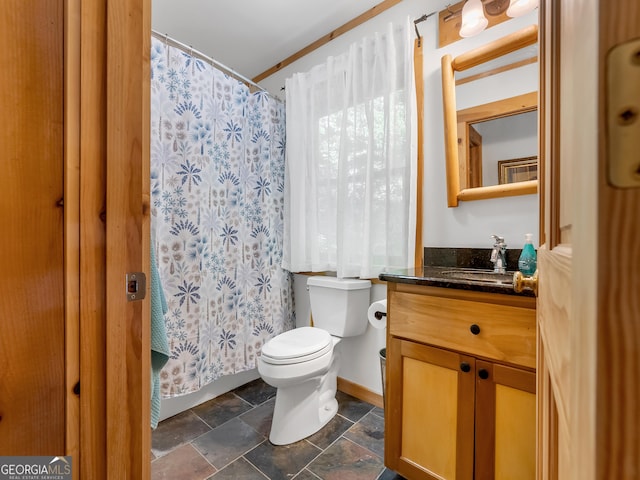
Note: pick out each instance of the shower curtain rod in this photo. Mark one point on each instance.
(192, 51)
(420, 20)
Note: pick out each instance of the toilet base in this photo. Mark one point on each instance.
(301, 410)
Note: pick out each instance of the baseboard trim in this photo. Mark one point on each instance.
(360, 392)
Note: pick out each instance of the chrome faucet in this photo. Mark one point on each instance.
(499, 255)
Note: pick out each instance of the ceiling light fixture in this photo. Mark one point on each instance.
(473, 19)
(520, 7)
(494, 8)
(473, 13)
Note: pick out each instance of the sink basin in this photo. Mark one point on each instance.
(482, 276)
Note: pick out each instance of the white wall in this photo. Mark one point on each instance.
(469, 225)
(506, 138)
(472, 223)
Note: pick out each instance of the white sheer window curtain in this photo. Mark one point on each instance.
(350, 179)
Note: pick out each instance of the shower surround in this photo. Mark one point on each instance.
(217, 179)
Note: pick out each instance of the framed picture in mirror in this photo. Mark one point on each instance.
(517, 170)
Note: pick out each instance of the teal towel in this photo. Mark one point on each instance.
(159, 342)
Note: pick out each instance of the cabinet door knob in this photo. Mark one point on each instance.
(483, 374)
(475, 329)
(465, 367)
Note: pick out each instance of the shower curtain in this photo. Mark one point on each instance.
(217, 180)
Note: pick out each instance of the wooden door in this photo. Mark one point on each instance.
(431, 398)
(107, 219)
(589, 341)
(32, 332)
(567, 347)
(505, 422)
(107, 232)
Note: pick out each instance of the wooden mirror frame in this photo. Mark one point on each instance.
(510, 43)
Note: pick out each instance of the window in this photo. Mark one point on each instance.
(351, 161)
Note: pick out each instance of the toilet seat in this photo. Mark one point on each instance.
(297, 346)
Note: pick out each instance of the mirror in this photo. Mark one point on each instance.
(470, 138)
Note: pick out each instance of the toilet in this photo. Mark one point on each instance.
(303, 363)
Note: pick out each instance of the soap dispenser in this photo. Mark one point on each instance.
(528, 262)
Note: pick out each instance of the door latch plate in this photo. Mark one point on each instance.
(136, 286)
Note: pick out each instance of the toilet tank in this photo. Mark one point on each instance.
(339, 305)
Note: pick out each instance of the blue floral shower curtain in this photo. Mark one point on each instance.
(217, 179)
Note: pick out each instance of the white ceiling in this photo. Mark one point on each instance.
(251, 36)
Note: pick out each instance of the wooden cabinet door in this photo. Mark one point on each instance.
(430, 412)
(32, 332)
(505, 438)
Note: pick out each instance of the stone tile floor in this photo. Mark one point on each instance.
(227, 438)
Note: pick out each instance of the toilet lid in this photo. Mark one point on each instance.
(297, 345)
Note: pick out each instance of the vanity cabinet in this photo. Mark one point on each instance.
(460, 384)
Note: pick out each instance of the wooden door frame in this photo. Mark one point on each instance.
(617, 427)
(599, 413)
(107, 48)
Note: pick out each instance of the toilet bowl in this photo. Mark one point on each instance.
(301, 409)
(303, 363)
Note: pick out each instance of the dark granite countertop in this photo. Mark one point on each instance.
(444, 267)
(438, 277)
